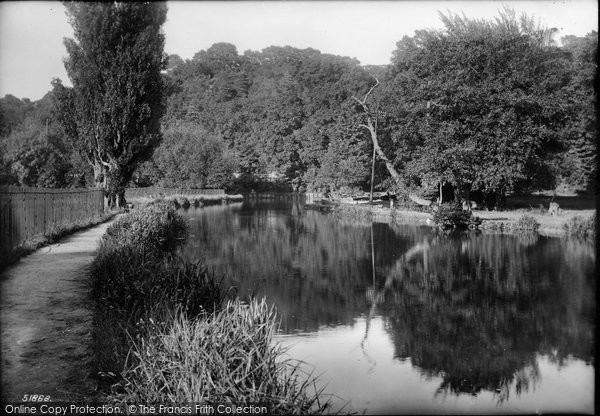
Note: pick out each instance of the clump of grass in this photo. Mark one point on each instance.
(154, 228)
(136, 275)
(526, 223)
(581, 227)
(228, 357)
(353, 212)
(126, 278)
(133, 287)
(450, 216)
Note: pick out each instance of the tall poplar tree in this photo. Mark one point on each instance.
(112, 113)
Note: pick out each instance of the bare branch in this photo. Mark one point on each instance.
(363, 102)
(373, 131)
(357, 100)
(371, 90)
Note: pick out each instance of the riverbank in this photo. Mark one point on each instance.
(46, 321)
(550, 225)
(166, 329)
(188, 200)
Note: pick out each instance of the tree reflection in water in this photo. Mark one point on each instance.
(474, 309)
(477, 310)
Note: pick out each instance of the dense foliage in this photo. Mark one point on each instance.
(189, 157)
(33, 149)
(482, 108)
(157, 228)
(485, 106)
(526, 223)
(283, 113)
(452, 215)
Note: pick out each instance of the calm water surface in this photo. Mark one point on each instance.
(401, 319)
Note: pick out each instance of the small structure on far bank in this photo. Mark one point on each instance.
(554, 209)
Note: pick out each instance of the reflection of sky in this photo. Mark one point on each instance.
(372, 379)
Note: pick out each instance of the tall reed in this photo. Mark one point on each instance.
(227, 357)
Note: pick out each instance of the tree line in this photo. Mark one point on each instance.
(481, 108)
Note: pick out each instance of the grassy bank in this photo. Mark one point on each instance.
(551, 225)
(186, 201)
(166, 330)
(9, 257)
(568, 222)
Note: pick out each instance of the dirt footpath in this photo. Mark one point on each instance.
(46, 319)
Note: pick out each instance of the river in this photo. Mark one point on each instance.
(404, 319)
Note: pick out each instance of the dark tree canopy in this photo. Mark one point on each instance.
(578, 163)
(189, 157)
(33, 149)
(113, 111)
(282, 112)
(479, 105)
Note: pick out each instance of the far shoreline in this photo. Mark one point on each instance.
(493, 221)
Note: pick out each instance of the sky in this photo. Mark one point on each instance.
(32, 33)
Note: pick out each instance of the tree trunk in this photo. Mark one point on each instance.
(114, 187)
(100, 179)
(98, 174)
(369, 126)
(388, 164)
(372, 177)
(121, 198)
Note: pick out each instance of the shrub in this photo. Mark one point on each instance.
(126, 278)
(474, 222)
(182, 201)
(154, 228)
(452, 216)
(527, 223)
(228, 357)
(581, 227)
(133, 286)
(135, 277)
(353, 212)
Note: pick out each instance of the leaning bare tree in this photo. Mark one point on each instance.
(112, 113)
(373, 131)
(371, 127)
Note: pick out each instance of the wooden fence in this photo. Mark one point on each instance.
(27, 212)
(153, 191)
